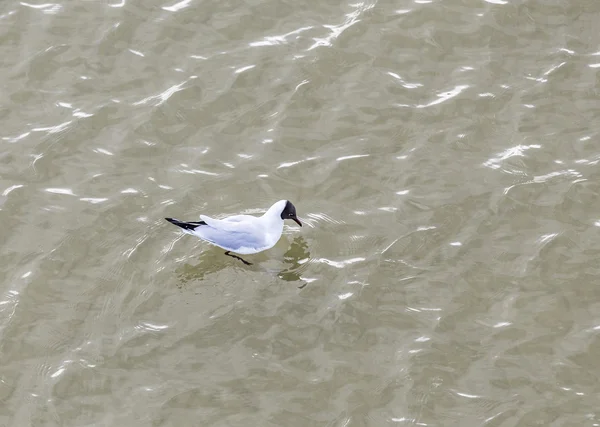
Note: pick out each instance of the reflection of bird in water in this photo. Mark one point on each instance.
(189, 272)
(298, 256)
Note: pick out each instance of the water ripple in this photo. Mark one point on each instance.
(48, 8)
(177, 6)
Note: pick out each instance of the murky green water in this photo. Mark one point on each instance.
(442, 154)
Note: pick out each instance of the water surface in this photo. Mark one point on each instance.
(442, 154)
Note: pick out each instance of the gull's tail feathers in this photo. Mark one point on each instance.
(190, 226)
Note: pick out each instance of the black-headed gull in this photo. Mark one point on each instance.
(243, 234)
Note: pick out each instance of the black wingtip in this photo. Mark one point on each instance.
(185, 225)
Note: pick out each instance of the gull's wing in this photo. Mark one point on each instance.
(237, 223)
(240, 241)
(240, 218)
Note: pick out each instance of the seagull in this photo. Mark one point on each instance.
(243, 234)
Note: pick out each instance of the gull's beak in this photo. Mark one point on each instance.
(297, 221)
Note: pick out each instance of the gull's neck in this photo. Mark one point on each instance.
(273, 216)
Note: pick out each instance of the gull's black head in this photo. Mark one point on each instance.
(289, 212)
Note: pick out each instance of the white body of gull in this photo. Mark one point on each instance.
(243, 234)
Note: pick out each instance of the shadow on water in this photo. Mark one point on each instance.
(212, 261)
